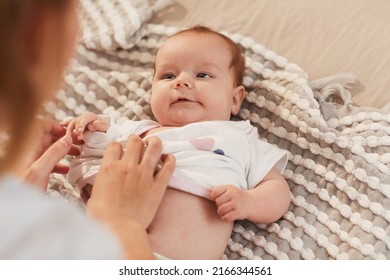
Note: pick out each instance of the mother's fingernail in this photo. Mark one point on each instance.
(67, 141)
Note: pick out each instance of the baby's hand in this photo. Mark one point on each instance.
(87, 121)
(232, 202)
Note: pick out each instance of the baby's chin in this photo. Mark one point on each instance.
(184, 117)
(176, 124)
(179, 118)
(183, 122)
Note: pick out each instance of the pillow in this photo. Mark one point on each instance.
(338, 169)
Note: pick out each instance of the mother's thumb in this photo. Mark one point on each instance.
(38, 173)
(46, 163)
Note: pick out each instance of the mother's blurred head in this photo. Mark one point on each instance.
(36, 41)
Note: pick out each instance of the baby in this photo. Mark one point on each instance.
(223, 171)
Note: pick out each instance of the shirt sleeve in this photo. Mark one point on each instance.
(263, 157)
(34, 226)
(117, 132)
(92, 151)
(84, 168)
(97, 141)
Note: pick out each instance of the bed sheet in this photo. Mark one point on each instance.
(339, 161)
(322, 37)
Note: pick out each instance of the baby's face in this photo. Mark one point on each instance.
(193, 81)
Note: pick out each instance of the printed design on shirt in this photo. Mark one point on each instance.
(219, 152)
(206, 144)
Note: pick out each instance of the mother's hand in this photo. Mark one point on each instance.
(53, 145)
(130, 185)
(128, 191)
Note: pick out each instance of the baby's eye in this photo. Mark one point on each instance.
(167, 76)
(203, 75)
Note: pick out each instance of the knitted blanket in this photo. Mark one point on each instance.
(339, 155)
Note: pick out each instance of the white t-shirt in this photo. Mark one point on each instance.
(208, 154)
(35, 226)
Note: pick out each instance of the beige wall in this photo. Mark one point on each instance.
(323, 37)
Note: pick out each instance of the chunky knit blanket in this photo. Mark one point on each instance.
(339, 155)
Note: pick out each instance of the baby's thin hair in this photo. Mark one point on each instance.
(237, 62)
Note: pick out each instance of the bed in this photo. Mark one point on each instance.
(317, 85)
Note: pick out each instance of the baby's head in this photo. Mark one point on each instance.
(198, 77)
(237, 61)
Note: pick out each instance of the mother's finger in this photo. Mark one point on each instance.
(74, 151)
(152, 154)
(53, 155)
(38, 173)
(53, 127)
(112, 152)
(60, 169)
(165, 172)
(134, 150)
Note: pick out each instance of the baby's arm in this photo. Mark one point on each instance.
(265, 203)
(87, 121)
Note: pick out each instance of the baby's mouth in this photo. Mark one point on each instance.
(182, 100)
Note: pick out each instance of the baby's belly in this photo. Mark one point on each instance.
(188, 227)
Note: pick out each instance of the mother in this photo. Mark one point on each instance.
(36, 42)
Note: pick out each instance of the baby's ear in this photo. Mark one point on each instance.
(238, 97)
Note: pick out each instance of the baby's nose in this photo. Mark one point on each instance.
(179, 84)
(183, 80)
